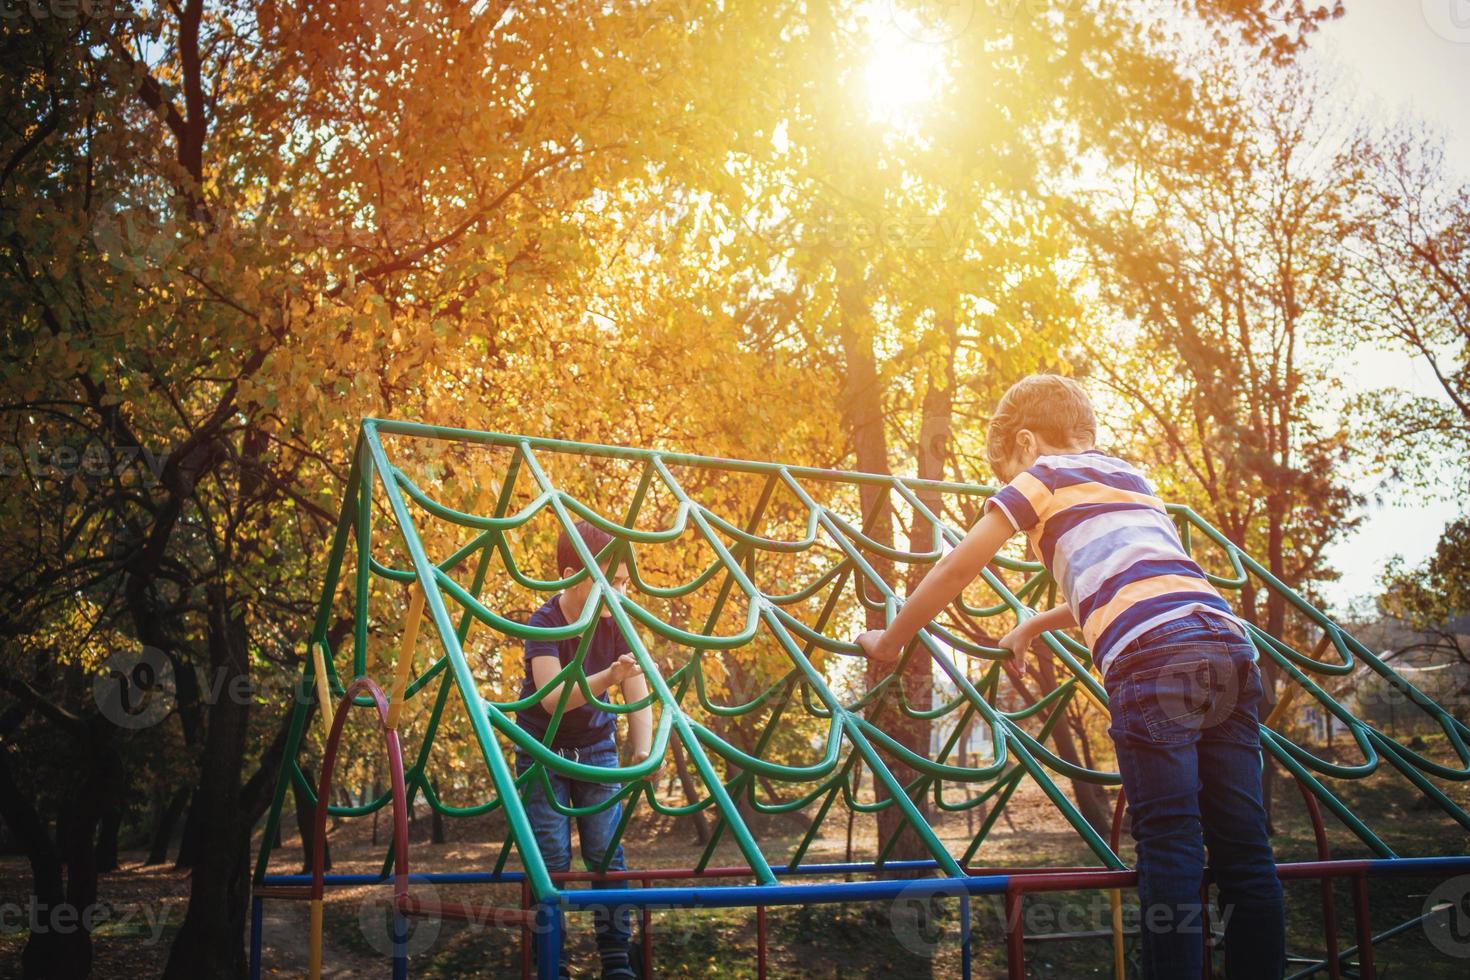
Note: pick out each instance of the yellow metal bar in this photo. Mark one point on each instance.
(1115, 899)
(1093, 697)
(405, 656)
(314, 968)
(323, 689)
(1281, 706)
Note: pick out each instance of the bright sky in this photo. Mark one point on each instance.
(1399, 57)
(1407, 56)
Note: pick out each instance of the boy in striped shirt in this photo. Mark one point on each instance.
(1182, 680)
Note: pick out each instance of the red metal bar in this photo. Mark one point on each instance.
(1054, 881)
(647, 936)
(760, 942)
(1329, 906)
(526, 931)
(1117, 829)
(1366, 969)
(1322, 869)
(363, 685)
(1207, 963)
(1069, 880)
(1059, 869)
(1015, 935)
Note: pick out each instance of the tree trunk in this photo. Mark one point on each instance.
(436, 819)
(373, 794)
(77, 829)
(190, 843)
(862, 408)
(48, 953)
(211, 942)
(306, 824)
(163, 830)
(106, 855)
(1092, 799)
(686, 783)
(110, 788)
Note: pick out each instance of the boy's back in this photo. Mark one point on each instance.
(1097, 524)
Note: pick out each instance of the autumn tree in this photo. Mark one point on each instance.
(1408, 273)
(229, 231)
(233, 230)
(1434, 598)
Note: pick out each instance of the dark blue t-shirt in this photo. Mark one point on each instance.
(581, 726)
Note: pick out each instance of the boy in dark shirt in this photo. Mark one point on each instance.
(587, 734)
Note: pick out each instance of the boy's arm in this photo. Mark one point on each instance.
(1019, 639)
(543, 669)
(944, 582)
(640, 723)
(1056, 618)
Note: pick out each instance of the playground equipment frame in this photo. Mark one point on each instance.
(542, 897)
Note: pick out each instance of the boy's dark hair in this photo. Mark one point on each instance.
(594, 537)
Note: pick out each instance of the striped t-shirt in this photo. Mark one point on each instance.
(1104, 535)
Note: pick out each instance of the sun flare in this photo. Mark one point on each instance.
(903, 72)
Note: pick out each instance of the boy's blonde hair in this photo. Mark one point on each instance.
(1057, 409)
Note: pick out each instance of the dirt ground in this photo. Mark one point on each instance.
(144, 906)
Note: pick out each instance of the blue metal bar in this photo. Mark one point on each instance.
(1412, 865)
(434, 877)
(400, 946)
(256, 929)
(734, 896)
(965, 951)
(548, 940)
(490, 877)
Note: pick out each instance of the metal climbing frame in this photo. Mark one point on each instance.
(759, 571)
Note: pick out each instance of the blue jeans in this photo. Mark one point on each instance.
(1184, 699)
(595, 831)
